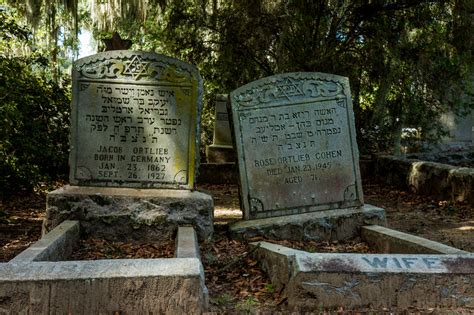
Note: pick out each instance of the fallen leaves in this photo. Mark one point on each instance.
(93, 248)
(355, 245)
(234, 279)
(20, 223)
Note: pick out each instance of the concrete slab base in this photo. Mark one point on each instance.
(119, 286)
(321, 225)
(141, 214)
(394, 282)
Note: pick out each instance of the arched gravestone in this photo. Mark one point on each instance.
(135, 130)
(296, 144)
(135, 121)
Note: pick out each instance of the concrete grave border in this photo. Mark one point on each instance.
(387, 240)
(393, 282)
(36, 282)
(428, 178)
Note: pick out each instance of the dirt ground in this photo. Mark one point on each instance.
(235, 281)
(438, 220)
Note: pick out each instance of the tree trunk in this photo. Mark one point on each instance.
(381, 98)
(397, 137)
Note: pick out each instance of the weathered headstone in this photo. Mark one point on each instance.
(135, 127)
(221, 150)
(134, 121)
(296, 145)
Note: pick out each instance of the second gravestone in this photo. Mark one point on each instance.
(221, 150)
(298, 158)
(134, 141)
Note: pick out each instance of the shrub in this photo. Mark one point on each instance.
(34, 124)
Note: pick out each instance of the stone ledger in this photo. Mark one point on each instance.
(125, 213)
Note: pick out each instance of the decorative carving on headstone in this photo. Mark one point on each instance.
(135, 121)
(295, 139)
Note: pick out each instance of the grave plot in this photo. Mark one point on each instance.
(384, 281)
(298, 159)
(300, 181)
(40, 280)
(135, 127)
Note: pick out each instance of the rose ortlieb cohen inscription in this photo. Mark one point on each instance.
(134, 121)
(295, 139)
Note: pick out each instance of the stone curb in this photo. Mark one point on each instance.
(387, 240)
(130, 286)
(429, 178)
(384, 281)
(186, 243)
(56, 245)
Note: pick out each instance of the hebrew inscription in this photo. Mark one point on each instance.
(134, 122)
(296, 145)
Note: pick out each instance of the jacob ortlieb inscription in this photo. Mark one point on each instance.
(135, 117)
(295, 138)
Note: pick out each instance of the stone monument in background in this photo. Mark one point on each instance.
(298, 158)
(135, 126)
(221, 150)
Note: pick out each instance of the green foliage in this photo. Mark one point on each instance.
(408, 62)
(269, 288)
(33, 123)
(248, 306)
(404, 60)
(223, 300)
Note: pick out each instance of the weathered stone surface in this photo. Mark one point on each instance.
(336, 224)
(186, 243)
(135, 121)
(222, 134)
(430, 178)
(127, 213)
(131, 286)
(58, 244)
(386, 240)
(295, 139)
(460, 159)
(221, 150)
(277, 262)
(383, 281)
